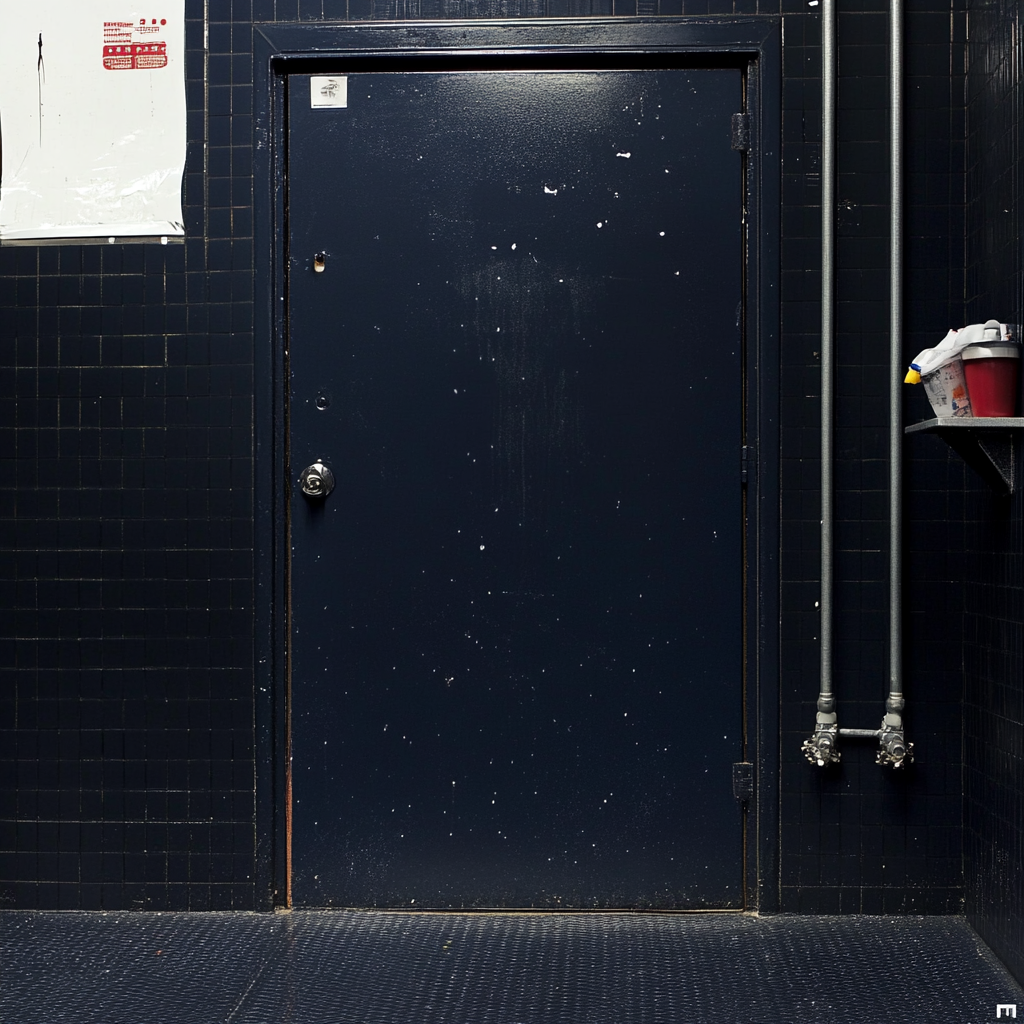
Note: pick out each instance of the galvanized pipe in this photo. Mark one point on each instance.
(895, 702)
(820, 748)
(828, 208)
(894, 750)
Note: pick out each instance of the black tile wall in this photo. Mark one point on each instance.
(126, 548)
(993, 595)
(126, 554)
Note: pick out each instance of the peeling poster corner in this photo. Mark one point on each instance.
(92, 119)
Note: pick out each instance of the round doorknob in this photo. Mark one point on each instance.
(316, 481)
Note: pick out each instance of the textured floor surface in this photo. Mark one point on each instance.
(368, 967)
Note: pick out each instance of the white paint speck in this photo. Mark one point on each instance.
(551, 191)
(625, 155)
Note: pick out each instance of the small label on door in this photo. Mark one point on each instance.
(328, 91)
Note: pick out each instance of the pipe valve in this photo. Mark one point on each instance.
(821, 749)
(894, 750)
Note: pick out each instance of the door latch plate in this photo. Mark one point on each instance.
(743, 780)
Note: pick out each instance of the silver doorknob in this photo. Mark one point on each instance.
(316, 481)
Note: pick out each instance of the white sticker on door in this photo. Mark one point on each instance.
(330, 91)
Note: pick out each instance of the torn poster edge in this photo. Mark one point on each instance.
(156, 230)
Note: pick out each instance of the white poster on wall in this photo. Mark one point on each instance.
(92, 119)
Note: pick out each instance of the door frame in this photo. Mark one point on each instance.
(281, 49)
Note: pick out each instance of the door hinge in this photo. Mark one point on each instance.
(743, 780)
(741, 132)
(744, 461)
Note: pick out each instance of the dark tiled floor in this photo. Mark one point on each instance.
(370, 967)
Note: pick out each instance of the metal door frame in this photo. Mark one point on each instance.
(751, 43)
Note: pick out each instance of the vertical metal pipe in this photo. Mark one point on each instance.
(828, 206)
(895, 355)
(894, 750)
(821, 748)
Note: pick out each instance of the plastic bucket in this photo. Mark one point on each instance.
(947, 389)
(992, 372)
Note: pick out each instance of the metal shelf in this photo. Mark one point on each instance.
(988, 444)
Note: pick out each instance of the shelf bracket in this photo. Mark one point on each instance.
(988, 444)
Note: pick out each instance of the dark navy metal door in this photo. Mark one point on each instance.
(516, 661)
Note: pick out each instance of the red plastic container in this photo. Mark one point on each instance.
(992, 371)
